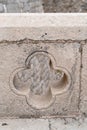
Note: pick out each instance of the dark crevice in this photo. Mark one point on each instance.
(27, 41)
(81, 66)
(49, 124)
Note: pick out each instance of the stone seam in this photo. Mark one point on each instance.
(27, 41)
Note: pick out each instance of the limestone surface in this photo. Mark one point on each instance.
(43, 65)
(24, 124)
(39, 6)
(83, 97)
(43, 26)
(65, 6)
(43, 124)
(36, 92)
(21, 6)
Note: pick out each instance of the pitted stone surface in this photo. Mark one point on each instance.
(13, 56)
(65, 6)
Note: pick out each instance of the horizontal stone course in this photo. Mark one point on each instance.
(43, 124)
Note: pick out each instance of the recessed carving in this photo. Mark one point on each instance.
(41, 80)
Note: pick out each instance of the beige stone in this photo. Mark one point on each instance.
(43, 124)
(24, 124)
(43, 26)
(83, 95)
(40, 64)
(31, 88)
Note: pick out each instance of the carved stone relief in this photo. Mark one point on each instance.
(40, 80)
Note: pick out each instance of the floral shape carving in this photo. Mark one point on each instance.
(40, 80)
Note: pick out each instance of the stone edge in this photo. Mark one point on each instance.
(42, 26)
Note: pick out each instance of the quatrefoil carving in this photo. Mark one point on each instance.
(40, 80)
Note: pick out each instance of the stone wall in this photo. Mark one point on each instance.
(65, 5)
(30, 88)
(34, 6)
(20, 6)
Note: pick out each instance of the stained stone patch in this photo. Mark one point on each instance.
(1, 8)
(13, 7)
(64, 6)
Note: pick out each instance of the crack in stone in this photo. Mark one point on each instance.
(49, 124)
(81, 53)
(27, 41)
(80, 89)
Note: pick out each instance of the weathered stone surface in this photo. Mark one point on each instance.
(83, 96)
(1, 8)
(13, 7)
(29, 41)
(62, 92)
(43, 26)
(44, 6)
(20, 6)
(43, 124)
(24, 124)
(65, 6)
(68, 124)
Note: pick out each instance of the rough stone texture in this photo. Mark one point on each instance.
(1, 8)
(83, 97)
(21, 6)
(68, 124)
(24, 124)
(34, 6)
(43, 124)
(65, 6)
(13, 56)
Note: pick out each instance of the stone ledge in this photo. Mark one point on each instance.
(43, 124)
(43, 26)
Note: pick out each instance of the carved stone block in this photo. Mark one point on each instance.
(39, 79)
